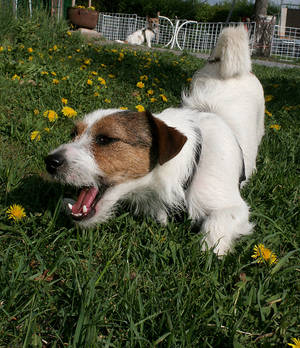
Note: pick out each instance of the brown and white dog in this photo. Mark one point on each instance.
(192, 158)
(146, 34)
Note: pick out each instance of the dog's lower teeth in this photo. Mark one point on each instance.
(77, 214)
(84, 209)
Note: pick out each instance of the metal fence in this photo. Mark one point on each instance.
(285, 43)
(175, 34)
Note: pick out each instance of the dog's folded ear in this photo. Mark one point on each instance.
(169, 141)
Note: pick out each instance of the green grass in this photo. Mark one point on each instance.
(131, 282)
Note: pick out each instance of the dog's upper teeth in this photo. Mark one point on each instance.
(84, 209)
(70, 206)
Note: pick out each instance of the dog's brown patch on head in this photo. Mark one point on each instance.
(122, 146)
(78, 129)
(153, 23)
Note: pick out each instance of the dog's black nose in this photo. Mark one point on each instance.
(54, 161)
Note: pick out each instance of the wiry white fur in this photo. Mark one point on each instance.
(138, 38)
(225, 109)
(82, 169)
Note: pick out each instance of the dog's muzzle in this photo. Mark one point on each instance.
(54, 162)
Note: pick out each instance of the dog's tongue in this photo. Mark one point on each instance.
(85, 200)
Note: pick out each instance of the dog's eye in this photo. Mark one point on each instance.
(104, 140)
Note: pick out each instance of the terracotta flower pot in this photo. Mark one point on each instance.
(83, 17)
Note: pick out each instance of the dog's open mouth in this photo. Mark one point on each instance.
(84, 207)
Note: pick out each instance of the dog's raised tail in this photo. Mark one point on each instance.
(232, 50)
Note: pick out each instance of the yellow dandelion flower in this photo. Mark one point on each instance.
(16, 212)
(70, 57)
(89, 82)
(78, 50)
(69, 112)
(150, 92)
(276, 127)
(30, 58)
(296, 343)
(112, 76)
(163, 97)
(29, 50)
(55, 81)
(35, 135)
(153, 100)
(103, 65)
(55, 48)
(121, 55)
(140, 108)
(53, 73)
(96, 94)
(107, 100)
(15, 77)
(268, 98)
(94, 73)
(140, 84)
(83, 67)
(64, 101)
(1, 48)
(87, 61)
(189, 79)
(47, 129)
(144, 77)
(69, 33)
(102, 81)
(261, 253)
(44, 73)
(123, 108)
(65, 78)
(268, 113)
(36, 112)
(9, 48)
(51, 115)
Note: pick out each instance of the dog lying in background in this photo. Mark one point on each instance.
(191, 158)
(146, 34)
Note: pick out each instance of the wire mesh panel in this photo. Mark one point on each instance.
(286, 43)
(165, 32)
(117, 26)
(202, 37)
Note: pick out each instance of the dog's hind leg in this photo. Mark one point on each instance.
(222, 227)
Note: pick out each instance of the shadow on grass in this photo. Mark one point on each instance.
(40, 197)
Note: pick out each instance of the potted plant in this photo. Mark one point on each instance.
(84, 17)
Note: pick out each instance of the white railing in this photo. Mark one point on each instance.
(285, 43)
(175, 34)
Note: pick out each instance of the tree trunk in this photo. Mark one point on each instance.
(260, 8)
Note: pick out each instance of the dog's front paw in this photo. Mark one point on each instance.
(162, 217)
(221, 248)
